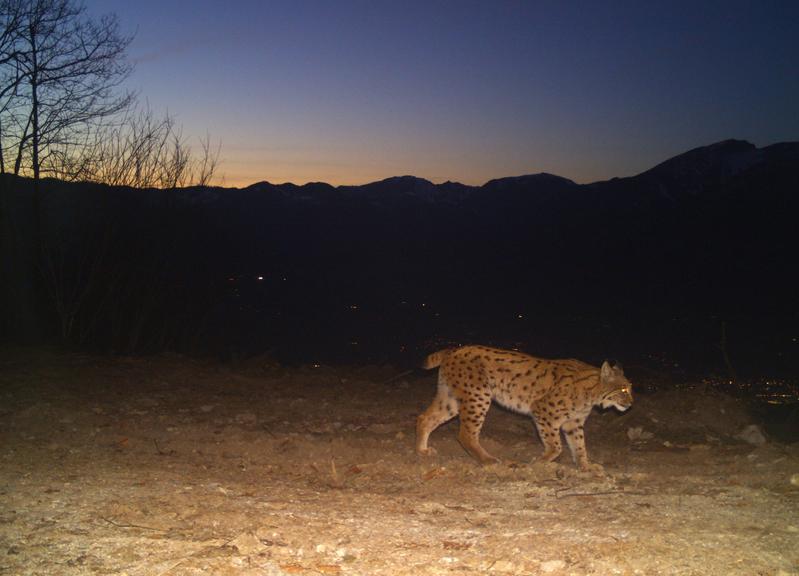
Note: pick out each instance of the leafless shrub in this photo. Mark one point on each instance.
(147, 151)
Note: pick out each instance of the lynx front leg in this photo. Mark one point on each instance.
(550, 437)
(575, 438)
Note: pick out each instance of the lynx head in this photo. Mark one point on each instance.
(617, 390)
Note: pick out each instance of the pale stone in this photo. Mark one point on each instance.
(552, 565)
(247, 543)
(638, 434)
(431, 508)
(503, 566)
(752, 435)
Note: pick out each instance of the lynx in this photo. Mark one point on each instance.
(559, 394)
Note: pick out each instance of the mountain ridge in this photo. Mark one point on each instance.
(728, 157)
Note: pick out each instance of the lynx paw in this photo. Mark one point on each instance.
(594, 469)
(426, 452)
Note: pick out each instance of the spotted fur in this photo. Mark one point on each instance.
(558, 394)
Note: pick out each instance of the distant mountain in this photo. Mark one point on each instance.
(693, 171)
(709, 168)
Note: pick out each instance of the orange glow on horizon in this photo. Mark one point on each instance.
(240, 172)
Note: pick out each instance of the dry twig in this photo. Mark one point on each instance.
(119, 525)
(563, 493)
(396, 377)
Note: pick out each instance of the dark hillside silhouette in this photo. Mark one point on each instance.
(385, 269)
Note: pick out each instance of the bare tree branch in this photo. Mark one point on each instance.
(64, 71)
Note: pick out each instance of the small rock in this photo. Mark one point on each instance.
(551, 565)
(206, 408)
(265, 532)
(795, 479)
(431, 508)
(247, 543)
(239, 561)
(400, 435)
(752, 435)
(503, 566)
(638, 434)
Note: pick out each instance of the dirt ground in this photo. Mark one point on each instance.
(173, 466)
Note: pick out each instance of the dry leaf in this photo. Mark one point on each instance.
(434, 473)
(452, 545)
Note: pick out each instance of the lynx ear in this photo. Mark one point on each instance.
(605, 371)
(617, 366)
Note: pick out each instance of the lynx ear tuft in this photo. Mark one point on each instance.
(605, 371)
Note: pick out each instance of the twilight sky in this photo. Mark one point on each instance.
(350, 92)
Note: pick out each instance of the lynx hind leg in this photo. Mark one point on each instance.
(443, 408)
(473, 410)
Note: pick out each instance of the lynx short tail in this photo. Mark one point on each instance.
(435, 359)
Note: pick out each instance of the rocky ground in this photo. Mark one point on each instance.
(170, 466)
